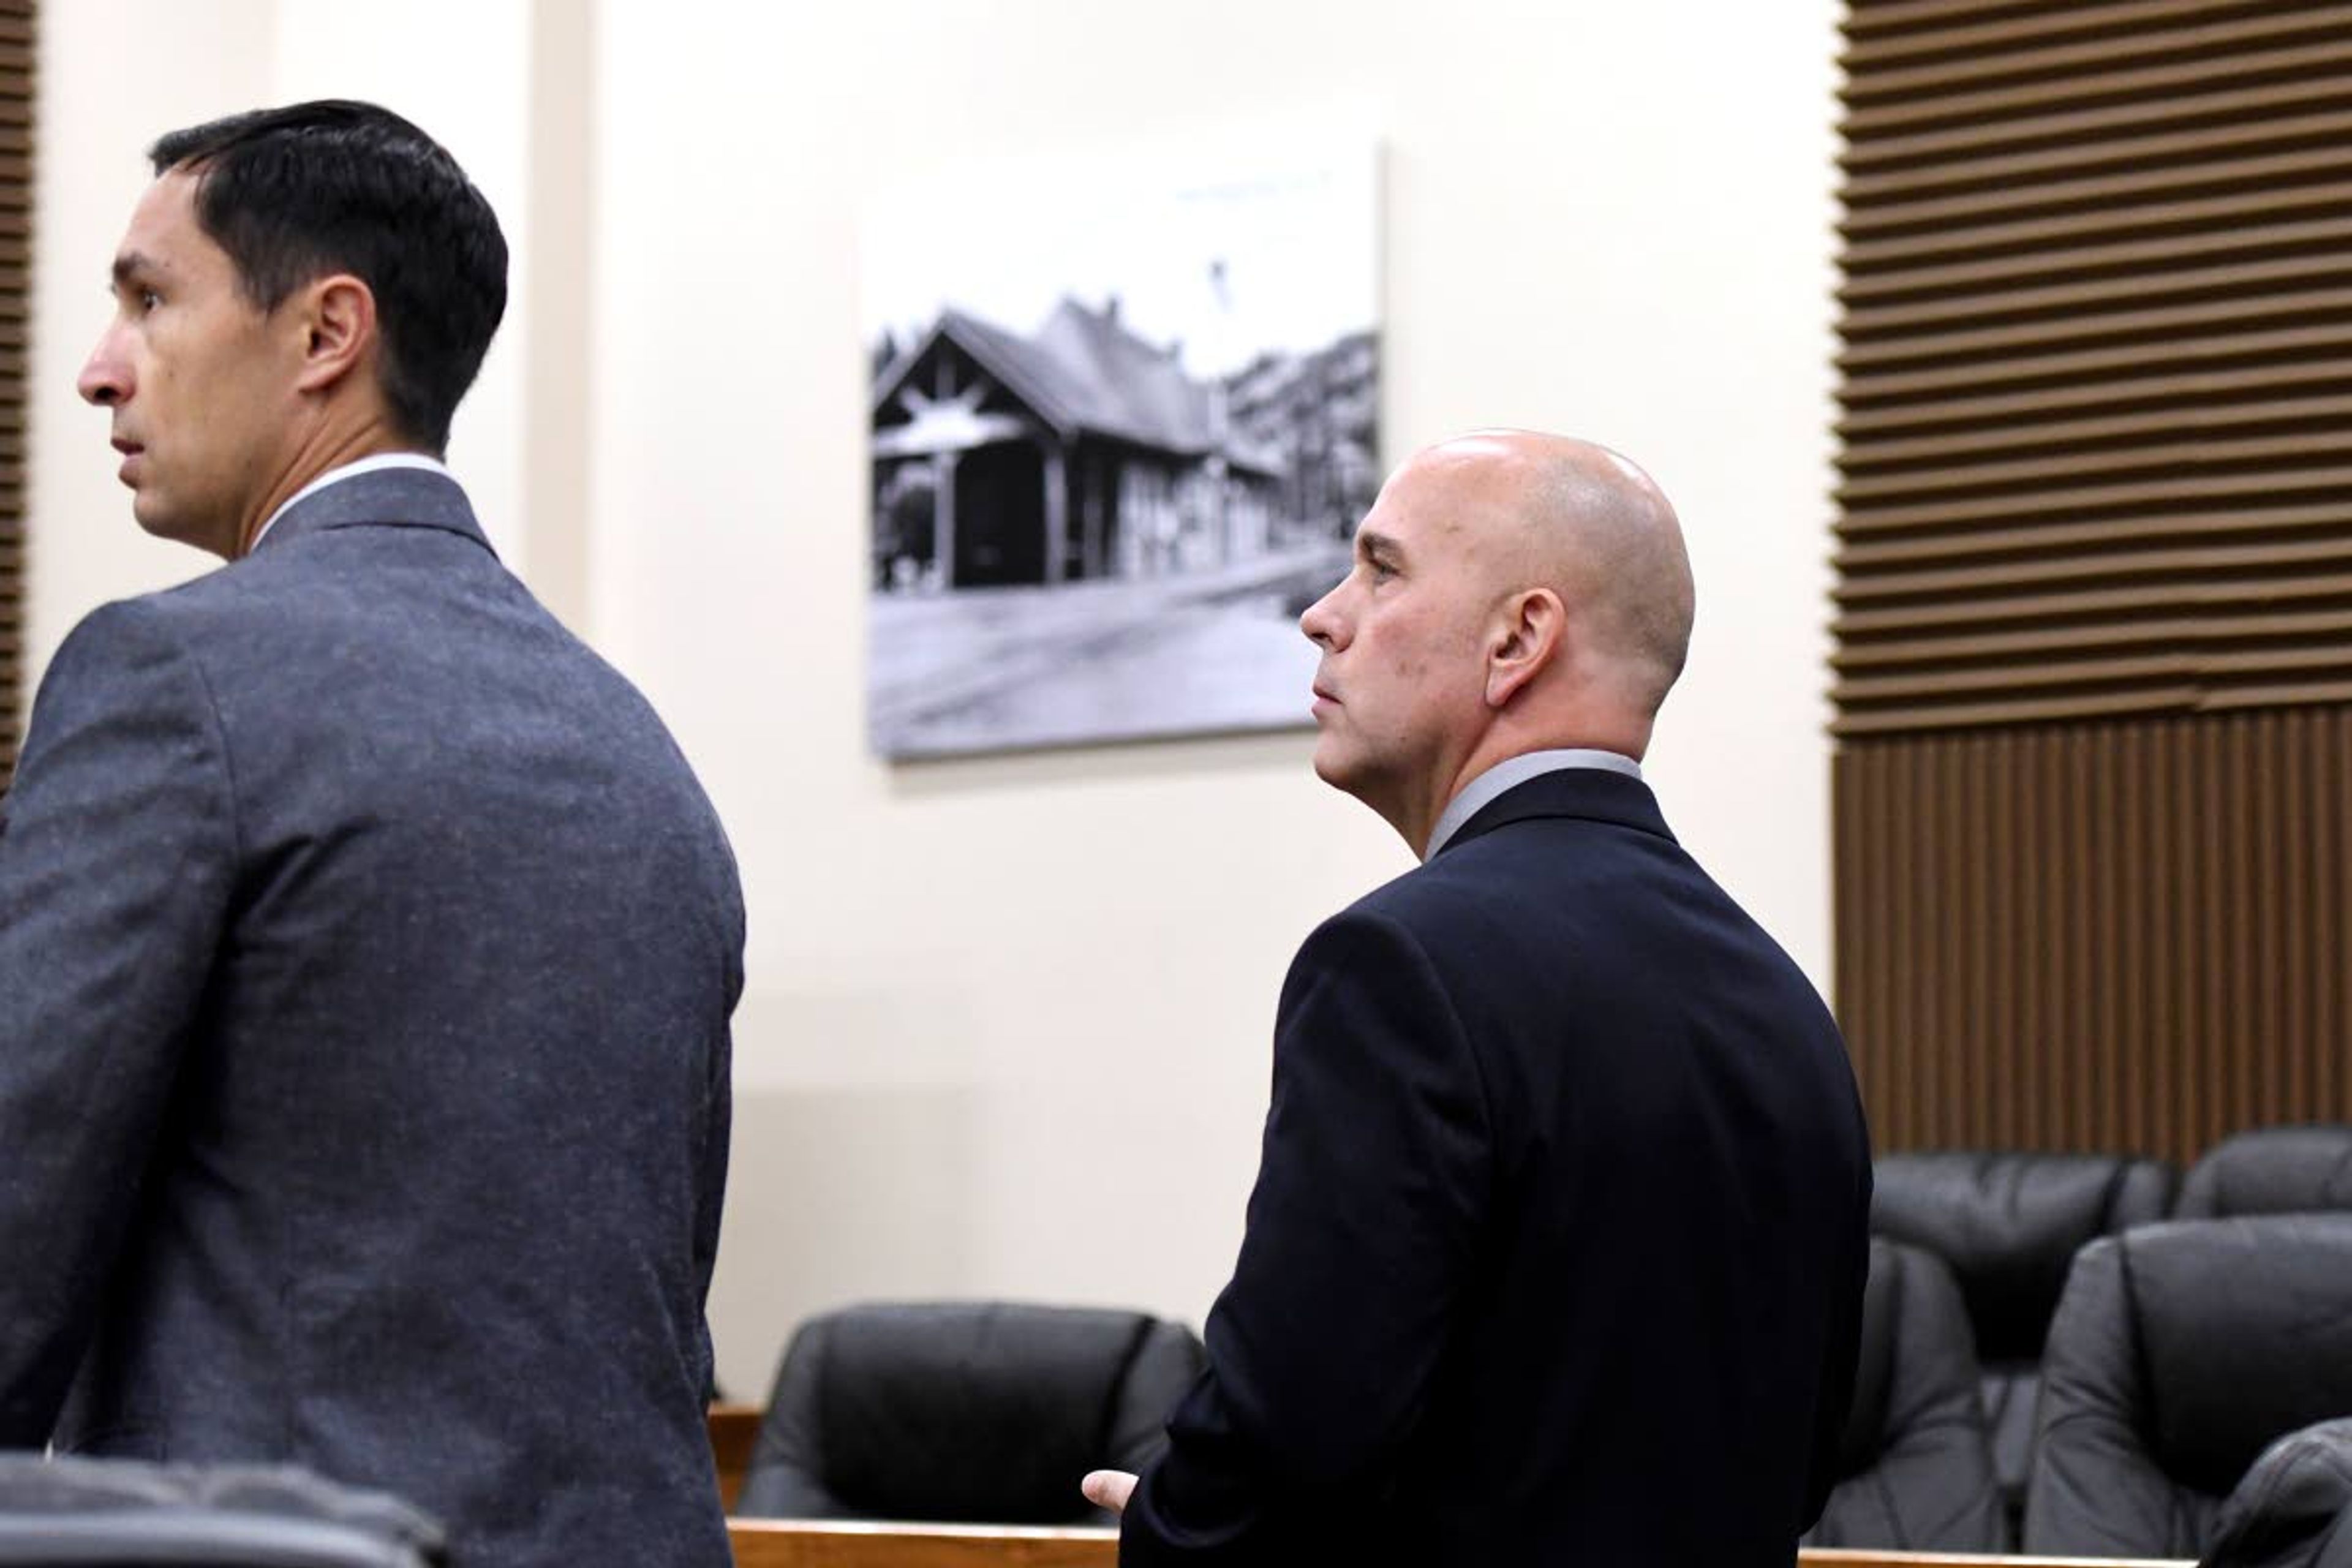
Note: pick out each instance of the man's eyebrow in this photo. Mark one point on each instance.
(131, 264)
(1371, 541)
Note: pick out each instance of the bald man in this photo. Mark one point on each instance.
(1558, 1245)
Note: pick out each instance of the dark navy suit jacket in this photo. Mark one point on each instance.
(1558, 1245)
(367, 951)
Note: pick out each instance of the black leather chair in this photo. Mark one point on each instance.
(2009, 1225)
(124, 1513)
(2293, 1508)
(2271, 1170)
(1916, 1468)
(972, 1412)
(2179, 1352)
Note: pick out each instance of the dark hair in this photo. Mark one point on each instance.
(334, 186)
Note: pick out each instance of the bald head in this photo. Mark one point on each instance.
(1551, 511)
(1512, 593)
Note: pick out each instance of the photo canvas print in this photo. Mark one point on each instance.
(1123, 423)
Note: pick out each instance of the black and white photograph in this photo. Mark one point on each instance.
(1123, 422)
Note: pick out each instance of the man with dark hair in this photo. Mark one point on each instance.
(1558, 1245)
(337, 187)
(367, 949)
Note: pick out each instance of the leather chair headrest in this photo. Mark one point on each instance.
(2008, 1225)
(81, 1510)
(2179, 1352)
(1915, 1465)
(2245, 1330)
(2272, 1169)
(1916, 1351)
(2209, 1338)
(972, 1411)
(2294, 1507)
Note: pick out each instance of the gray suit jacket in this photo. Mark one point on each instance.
(366, 956)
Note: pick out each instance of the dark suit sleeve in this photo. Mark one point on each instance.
(1373, 1179)
(1842, 1355)
(710, 1171)
(116, 845)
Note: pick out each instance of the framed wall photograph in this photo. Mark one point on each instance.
(1124, 420)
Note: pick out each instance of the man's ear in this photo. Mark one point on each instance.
(1526, 638)
(338, 320)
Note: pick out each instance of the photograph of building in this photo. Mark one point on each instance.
(1094, 526)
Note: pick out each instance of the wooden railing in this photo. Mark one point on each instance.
(795, 1544)
(809, 1543)
(734, 1430)
(1822, 1557)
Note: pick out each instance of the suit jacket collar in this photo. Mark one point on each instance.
(385, 498)
(1592, 793)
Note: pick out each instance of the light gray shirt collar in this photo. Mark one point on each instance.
(1510, 773)
(351, 471)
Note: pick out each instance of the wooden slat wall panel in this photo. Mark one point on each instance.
(2093, 614)
(2097, 366)
(16, 98)
(2127, 935)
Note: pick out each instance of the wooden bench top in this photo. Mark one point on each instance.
(794, 1543)
(812, 1543)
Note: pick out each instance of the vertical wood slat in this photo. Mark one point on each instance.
(2136, 967)
(2164, 897)
(2333, 1023)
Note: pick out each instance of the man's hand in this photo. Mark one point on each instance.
(1109, 1488)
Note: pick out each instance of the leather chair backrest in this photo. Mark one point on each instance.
(1916, 1466)
(2271, 1170)
(2293, 1508)
(2008, 1223)
(129, 1513)
(2179, 1353)
(976, 1412)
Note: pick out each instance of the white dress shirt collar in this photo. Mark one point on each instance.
(1512, 771)
(350, 470)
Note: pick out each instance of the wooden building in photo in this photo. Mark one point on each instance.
(1080, 452)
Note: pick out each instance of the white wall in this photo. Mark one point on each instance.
(116, 75)
(1007, 1022)
(111, 79)
(460, 68)
(1007, 1018)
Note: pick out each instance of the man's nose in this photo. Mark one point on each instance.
(105, 378)
(1320, 622)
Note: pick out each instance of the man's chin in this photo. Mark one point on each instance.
(1331, 765)
(159, 521)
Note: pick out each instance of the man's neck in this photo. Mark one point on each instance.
(331, 449)
(373, 462)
